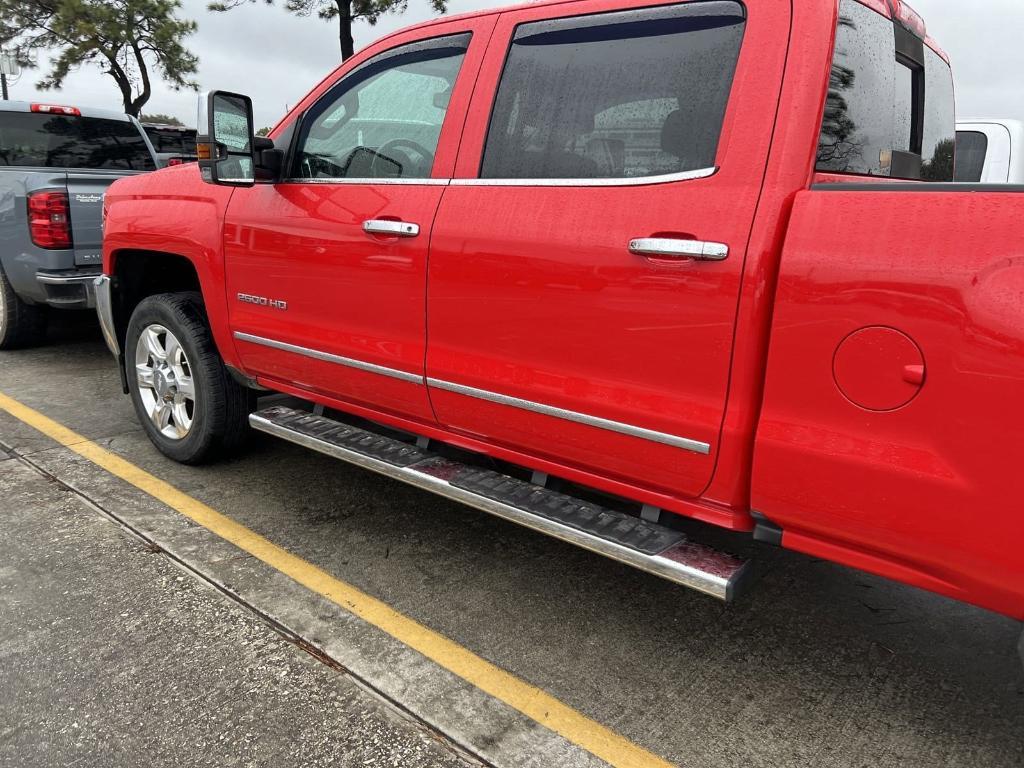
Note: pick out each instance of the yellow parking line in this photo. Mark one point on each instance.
(504, 686)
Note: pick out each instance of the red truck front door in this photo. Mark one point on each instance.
(326, 271)
(587, 258)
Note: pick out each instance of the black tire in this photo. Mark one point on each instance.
(220, 413)
(21, 325)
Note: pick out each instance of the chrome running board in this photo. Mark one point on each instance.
(631, 540)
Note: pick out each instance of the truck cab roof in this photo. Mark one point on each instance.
(894, 9)
(1014, 126)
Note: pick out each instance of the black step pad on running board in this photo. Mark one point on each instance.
(376, 446)
(633, 532)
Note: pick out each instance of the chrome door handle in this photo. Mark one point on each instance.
(672, 248)
(389, 227)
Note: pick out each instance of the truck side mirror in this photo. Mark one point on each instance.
(226, 149)
(269, 160)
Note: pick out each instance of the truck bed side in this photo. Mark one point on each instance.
(893, 420)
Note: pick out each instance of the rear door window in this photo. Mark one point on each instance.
(904, 128)
(889, 110)
(939, 142)
(629, 94)
(31, 139)
(971, 151)
(859, 130)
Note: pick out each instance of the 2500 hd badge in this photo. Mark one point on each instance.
(262, 301)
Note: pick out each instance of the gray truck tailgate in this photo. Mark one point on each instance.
(85, 196)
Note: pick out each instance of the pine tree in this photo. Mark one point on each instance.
(127, 39)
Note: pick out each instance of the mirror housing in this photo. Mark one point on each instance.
(269, 161)
(227, 147)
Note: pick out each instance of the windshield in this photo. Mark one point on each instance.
(35, 140)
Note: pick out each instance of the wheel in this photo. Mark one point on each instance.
(21, 324)
(188, 403)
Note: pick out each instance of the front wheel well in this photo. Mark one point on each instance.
(140, 274)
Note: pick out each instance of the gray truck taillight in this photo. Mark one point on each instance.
(49, 219)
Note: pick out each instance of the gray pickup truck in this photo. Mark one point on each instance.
(174, 144)
(56, 163)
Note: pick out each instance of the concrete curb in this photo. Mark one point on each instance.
(473, 721)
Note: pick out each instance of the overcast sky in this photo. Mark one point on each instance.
(276, 57)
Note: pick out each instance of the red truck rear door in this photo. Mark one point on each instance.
(586, 260)
(326, 270)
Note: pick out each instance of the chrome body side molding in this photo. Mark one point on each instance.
(685, 443)
(316, 354)
(695, 446)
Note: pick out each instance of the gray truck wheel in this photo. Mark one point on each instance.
(188, 403)
(21, 324)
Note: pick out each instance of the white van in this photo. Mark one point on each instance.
(990, 151)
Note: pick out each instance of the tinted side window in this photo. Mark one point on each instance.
(617, 95)
(903, 129)
(383, 120)
(860, 130)
(890, 107)
(939, 147)
(171, 140)
(31, 139)
(971, 150)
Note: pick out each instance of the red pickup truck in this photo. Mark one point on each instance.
(597, 266)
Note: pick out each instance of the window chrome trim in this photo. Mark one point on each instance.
(694, 446)
(316, 354)
(638, 181)
(633, 181)
(346, 180)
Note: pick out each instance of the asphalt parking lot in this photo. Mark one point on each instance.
(286, 609)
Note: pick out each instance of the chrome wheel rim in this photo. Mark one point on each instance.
(165, 382)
